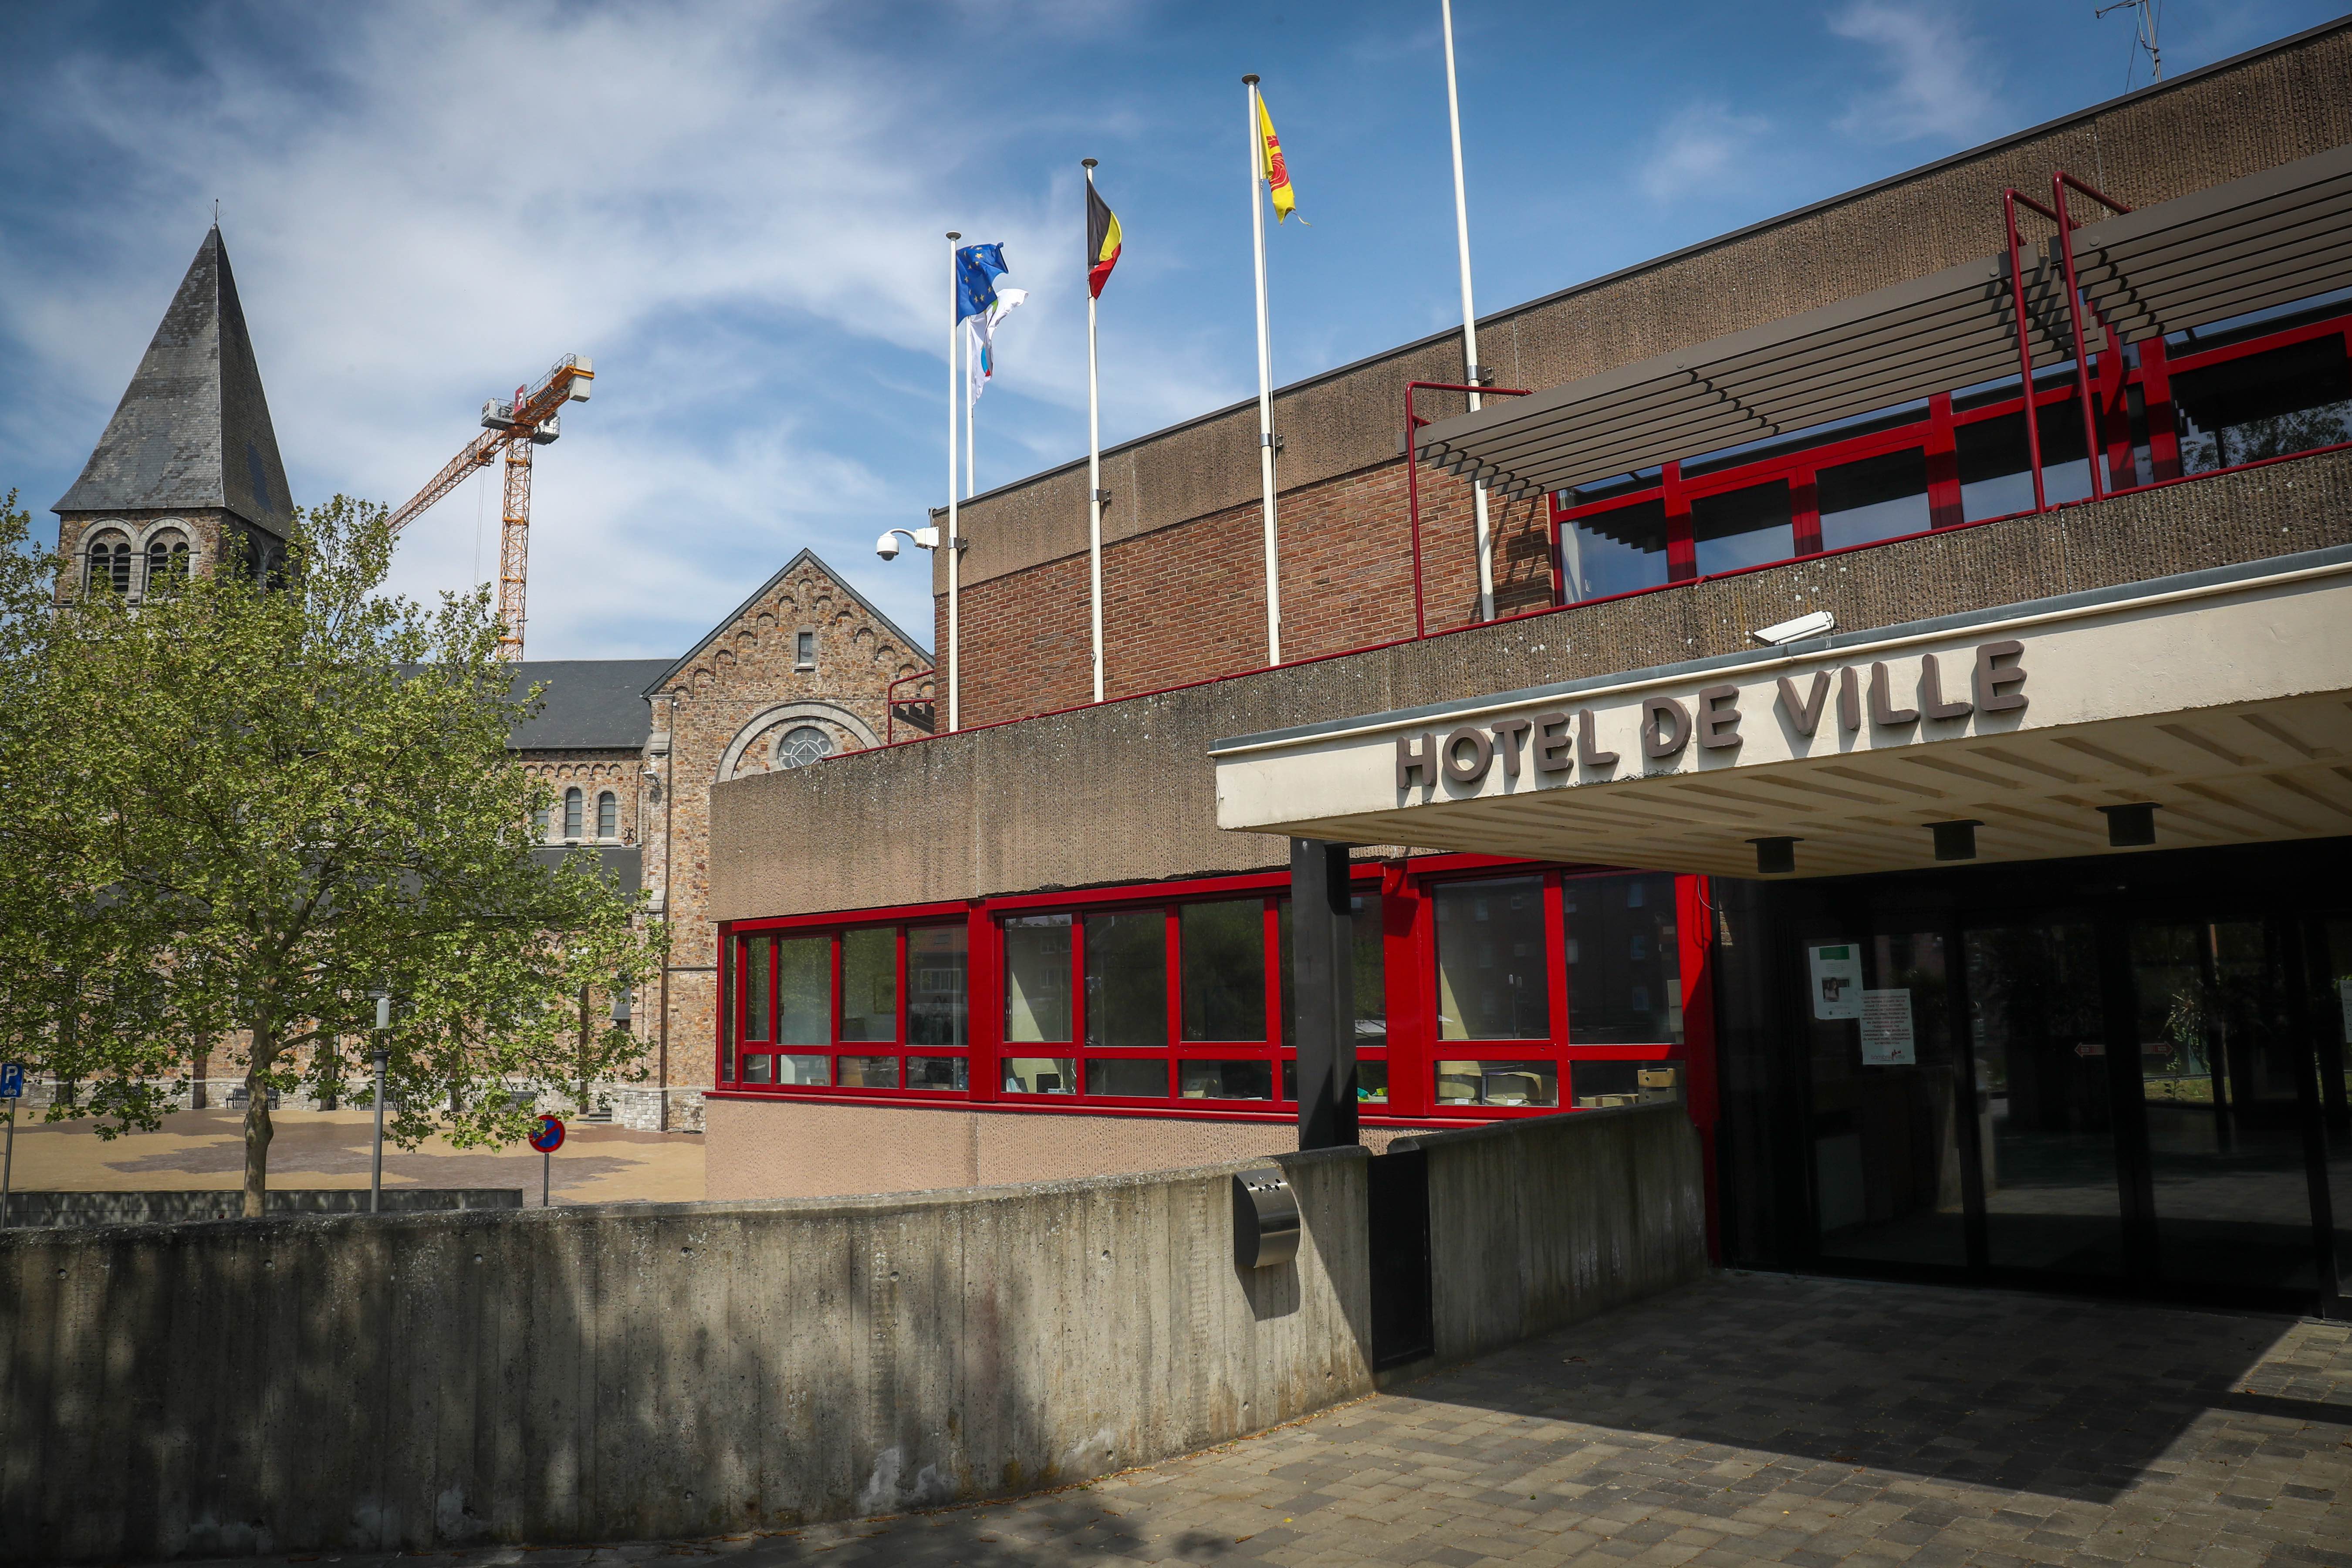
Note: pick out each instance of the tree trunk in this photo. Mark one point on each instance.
(258, 1129)
(200, 1059)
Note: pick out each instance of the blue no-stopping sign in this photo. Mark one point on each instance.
(549, 1136)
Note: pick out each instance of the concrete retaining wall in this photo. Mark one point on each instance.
(47, 1210)
(1539, 1222)
(430, 1382)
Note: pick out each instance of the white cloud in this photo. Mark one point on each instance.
(740, 219)
(1941, 81)
(1703, 148)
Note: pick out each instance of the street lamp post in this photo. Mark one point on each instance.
(382, 1054)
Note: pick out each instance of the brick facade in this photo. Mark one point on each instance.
(722, 713)
(1187, 602)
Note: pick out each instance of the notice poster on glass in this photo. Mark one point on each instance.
(1886, 1038)
(1836, 980)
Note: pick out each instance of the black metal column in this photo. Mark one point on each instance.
(1323, 982)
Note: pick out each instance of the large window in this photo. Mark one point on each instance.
(2164, 409)
(867, 1007)
(1557, 988)
(1480, 990)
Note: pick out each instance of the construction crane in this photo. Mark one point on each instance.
(513, 427)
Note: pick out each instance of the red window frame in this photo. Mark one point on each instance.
(2146, 368)
(1406, 890)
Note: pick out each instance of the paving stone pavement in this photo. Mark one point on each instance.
(1749, 1419)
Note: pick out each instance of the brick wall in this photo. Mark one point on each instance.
(1188, 602)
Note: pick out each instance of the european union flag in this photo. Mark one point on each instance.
(978, 267)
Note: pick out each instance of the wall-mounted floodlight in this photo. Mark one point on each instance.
(1821, 623)
(887, 546)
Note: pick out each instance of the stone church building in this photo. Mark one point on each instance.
(188, 470)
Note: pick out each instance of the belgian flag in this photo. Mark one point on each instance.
(1102, 241)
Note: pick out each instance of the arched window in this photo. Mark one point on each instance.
(538, 823)
(109, 563)
(571, 813)
(167, 562)
(801, 745)
(608, 816)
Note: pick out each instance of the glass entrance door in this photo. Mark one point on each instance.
(2224, 1078)
(2037, 1029)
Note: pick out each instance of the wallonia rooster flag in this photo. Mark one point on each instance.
(1102, 241)
(1272, 167)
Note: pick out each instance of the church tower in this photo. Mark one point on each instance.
(189, 463)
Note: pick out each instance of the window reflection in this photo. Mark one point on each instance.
(1490, 961)
(1222, 959)
(1127, 980)
(869, 984)
(2263, 405)
(1742, 528)
(804, 991)
(761, 953)
(1614, 552)
(937, 1007)
(1997, 468)
(1878, 498)
(1224, 1080)
(1038, 978)
(1624, 961)
(1133, 1076)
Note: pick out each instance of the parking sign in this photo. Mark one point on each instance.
(12, 1081)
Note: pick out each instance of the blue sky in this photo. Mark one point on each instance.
(738, 210)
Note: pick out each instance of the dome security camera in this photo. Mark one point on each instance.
(887, 546)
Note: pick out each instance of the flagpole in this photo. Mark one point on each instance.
(951, 541)
(1471, 372)
(1094, 466)
(1264, 387)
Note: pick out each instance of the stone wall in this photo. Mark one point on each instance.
(720, 717)
(424, 1383)
(166, 1206)
(1182, 527)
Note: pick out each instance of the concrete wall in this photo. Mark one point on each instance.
(1539, 1222)
(39, 1210)
(425, 1381)
(431, 1382)
(1124, 792)
(788, 1148)
(1182, 526)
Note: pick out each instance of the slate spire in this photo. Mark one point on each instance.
(193, 431)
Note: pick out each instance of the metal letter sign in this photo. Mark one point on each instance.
(12, 1081)
(549, 1136)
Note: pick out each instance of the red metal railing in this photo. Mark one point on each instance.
(2011, 200)
(1413, 423)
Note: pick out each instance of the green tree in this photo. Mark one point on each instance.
(240, 808)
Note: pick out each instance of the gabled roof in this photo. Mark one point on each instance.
(806, 557)
(589, 703)
(192, 429)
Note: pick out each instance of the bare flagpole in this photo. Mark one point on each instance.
(1264, 386)
(1094, 466)
(1470, 371)
(949, 542)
